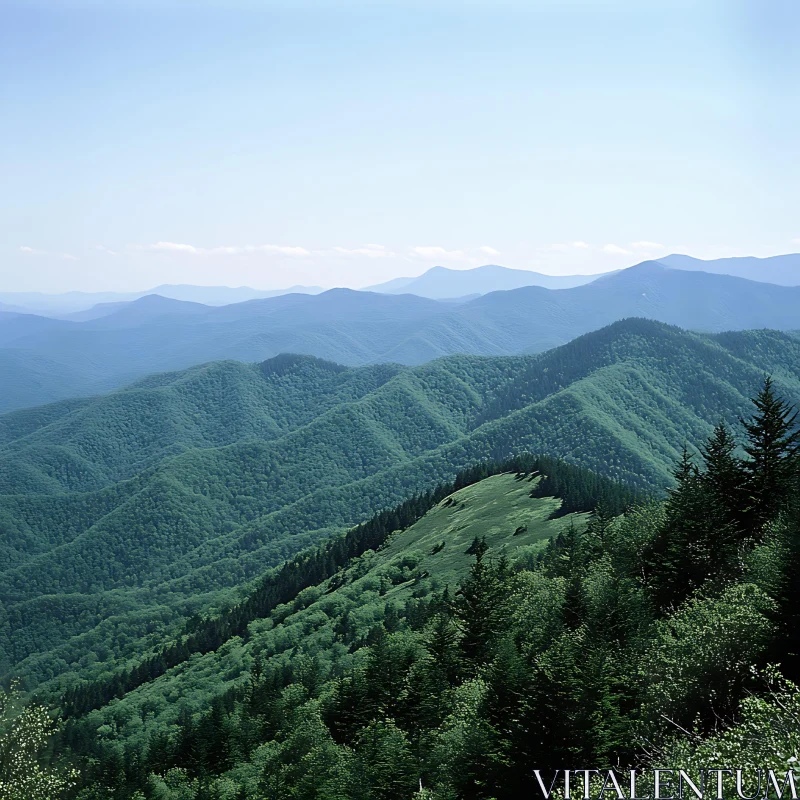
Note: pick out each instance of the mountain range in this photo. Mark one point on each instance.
(123, 516)
(74, 305)
(438, 283)
(783, 270)
(44, 359)
(441, 283)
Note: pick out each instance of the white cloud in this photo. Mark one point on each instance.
(796, 241)
(616, 250)
(646, 246)
(103, 249)
(580, 245)
(367, 250)
(490, 251)
(228, 250)
(432, 253)
(32, 251)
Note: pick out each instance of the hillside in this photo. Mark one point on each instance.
(354, 328)
(479, 633)
(126, 514)
(337, 618)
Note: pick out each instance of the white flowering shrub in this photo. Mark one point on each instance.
(24, 733)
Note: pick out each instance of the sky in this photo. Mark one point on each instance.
(343, 144)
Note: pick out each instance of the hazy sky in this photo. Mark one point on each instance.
(340, 143)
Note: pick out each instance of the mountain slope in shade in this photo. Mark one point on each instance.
(194, 482)
(442, 283)
(155, 334)
(782, 270)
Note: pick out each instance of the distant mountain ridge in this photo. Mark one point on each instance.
(782, 270)
(156, 334)
(78, 303)
(438, 283)
(441, 283)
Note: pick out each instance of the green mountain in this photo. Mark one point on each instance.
(337, 618)
(125, 515)
(450, 647)
(357, 328)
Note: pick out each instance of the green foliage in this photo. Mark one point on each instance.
(523, 616)
(385, 682)
(766, 735)
(698, 663)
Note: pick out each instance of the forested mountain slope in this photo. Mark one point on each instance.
(335, 621)
(356, 328)
(124, 515)
(454, 653)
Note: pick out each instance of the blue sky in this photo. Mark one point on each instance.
(338, 143)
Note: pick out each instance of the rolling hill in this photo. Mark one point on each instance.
(354, 328)
(124, 515)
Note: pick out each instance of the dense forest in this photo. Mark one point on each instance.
(190, 588)
(125, 517)
(498, 630)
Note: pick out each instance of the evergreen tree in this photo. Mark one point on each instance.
(387, 763)
(673, 568)
(479, 606)
(773, 447)
(724, 473)
(442, 642)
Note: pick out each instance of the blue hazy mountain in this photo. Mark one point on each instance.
(89, 305)
(783, 270)
(442, 283)
(154, 334)
(8, 308)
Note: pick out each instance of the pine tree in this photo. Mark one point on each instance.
(675, 563)
(441, 641)
(479, 605)
(773, 447)
(724, 473)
